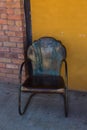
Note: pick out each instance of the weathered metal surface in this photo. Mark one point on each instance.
(46, 55)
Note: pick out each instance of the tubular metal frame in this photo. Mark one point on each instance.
(33, 92)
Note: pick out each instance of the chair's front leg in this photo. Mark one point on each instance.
(66, 106)
(22, 111)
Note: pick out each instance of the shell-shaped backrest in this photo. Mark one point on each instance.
(46, 55)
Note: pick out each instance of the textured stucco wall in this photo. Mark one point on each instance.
(65, 20)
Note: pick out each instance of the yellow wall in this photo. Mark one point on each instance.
(65, 20)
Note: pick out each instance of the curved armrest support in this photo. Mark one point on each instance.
(66, 72)
(20, 71)
(26, 62)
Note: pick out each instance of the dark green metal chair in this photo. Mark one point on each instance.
(45, 58)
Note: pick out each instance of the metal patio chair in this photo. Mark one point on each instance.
(45, 58)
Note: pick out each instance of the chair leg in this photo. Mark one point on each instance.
(21, 112)
(66, 103)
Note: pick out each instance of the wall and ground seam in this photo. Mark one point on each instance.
(65, 20)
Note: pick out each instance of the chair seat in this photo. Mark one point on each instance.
(44, 82)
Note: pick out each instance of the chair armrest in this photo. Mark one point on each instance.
(20, 71)
(26, 62)
(66, 72)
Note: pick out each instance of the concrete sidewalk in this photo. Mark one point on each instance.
(44, 113)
